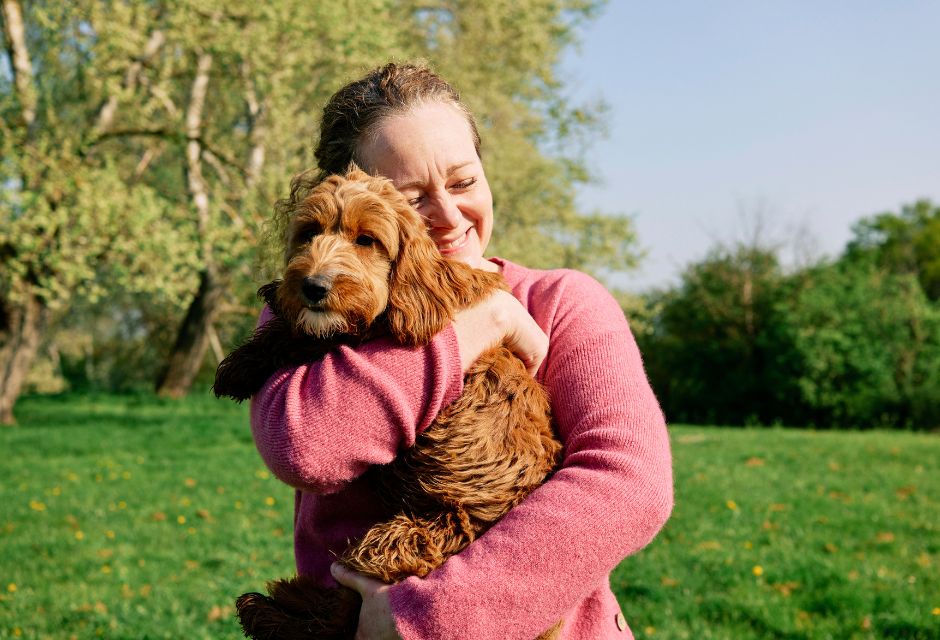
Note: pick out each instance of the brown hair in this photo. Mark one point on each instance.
(355, 111)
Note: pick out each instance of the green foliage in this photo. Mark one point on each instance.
(92, 539)
(869, 342)
(719, 349)
(98, 200)
(908, 242)
(849, 343)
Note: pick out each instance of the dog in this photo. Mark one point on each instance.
(360, 265)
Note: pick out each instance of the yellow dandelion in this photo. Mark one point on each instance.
(191, 531)
(11, 587)
(181, 519)
(122, 505)
(731, 504)
(269, 501)
(109, 534)
(126, 475)
(748, 545)
(79, 535)
(758, 570)
(105, 568)
(17, 632)
(936, 611)
(238, 504)
(650, 631)
(57, 491)
(71, 477)
(185, 502)
(36, 505)
(189, 482)
(262, 474)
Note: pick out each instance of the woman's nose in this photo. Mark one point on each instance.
(444, 212)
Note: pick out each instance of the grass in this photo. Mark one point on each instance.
(132, 517)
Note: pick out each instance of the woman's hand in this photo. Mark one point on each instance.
(375, 616)
(500, 318)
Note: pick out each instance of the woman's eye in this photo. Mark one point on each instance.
(365, 241)
(464, 184)
(414, 202)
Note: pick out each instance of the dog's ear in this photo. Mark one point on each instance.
(425, 289)
(419, 303)
(268, 293)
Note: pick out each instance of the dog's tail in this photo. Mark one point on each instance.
(299, 608)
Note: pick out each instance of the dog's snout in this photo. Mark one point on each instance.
(315, 288)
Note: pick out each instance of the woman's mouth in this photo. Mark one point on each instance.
(454, 245)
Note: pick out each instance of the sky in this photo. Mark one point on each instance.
(798, 117)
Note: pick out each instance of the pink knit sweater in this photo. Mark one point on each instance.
(320, 426)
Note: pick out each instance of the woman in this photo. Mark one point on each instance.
(320, 426)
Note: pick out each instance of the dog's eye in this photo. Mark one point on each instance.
(365, 241)
(308, 234)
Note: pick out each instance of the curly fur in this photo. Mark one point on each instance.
(357, 237)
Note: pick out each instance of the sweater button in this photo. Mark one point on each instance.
(621, 621)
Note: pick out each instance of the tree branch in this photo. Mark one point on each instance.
(257, 132)
(109, 108)
(196, 184)
(15, 35)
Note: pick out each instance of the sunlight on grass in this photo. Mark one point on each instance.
(133, 517)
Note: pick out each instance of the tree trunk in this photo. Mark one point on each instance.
(21, 327)
(192, 341)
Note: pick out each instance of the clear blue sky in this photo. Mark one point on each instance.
(817, 113)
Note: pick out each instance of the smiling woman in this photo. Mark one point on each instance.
(320, 426)
(429, 154)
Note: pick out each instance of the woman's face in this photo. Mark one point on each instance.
(429, 156)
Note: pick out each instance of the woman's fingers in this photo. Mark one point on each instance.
(528, 342)
(355, 581)
(375, 616)
(500, 319)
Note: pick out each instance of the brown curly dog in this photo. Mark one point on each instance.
(359, 265)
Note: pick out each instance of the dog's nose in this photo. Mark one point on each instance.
(315, 288)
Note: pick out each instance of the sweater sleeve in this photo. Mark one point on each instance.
(320, 425)
(610, 498)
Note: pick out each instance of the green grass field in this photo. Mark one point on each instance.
(132, 517)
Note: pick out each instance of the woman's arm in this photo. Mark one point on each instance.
(320, 425)
(609, 499)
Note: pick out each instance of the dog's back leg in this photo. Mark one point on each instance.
(410, 546)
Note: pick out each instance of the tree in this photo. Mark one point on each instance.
(65, 210)
(905, 242)
(719, 348)
(147, 142)
(869, 345)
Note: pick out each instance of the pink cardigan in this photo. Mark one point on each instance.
(320, 426)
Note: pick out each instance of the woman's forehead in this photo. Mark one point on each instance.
(431, 140)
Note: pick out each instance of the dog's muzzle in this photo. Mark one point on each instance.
(315, 289)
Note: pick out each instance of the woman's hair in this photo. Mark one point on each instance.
(355, 111)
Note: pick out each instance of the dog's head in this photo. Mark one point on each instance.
(358, 254)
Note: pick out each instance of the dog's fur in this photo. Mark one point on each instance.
(355, 240)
